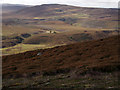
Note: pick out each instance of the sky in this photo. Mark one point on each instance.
(83, 3)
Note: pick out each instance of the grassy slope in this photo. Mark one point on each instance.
(45, 40)
(25, 47)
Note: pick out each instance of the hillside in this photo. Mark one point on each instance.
(69, 37)
(98, 56)
(80, 52)
(46, 10)
(60, 46)
(68, 24)
(61, 14)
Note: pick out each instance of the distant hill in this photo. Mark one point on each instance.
(78, 16)
(57, 9)
(7, 8)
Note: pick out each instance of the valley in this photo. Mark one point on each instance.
(56, 25)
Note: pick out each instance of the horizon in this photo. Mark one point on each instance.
(80, 3)
(61, 4)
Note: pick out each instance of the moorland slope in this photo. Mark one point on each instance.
(101, 54)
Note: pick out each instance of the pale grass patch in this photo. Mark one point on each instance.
(20, 48)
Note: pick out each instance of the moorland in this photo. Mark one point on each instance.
(60, 46)
(44, 26)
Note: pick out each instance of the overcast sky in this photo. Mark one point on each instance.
(84, 3)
